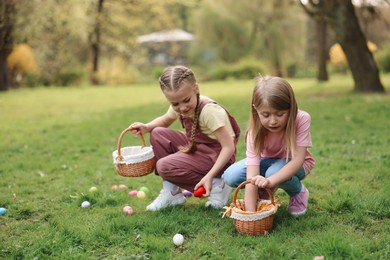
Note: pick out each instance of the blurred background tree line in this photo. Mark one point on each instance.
(71, 42)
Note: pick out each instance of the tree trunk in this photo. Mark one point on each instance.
(321, 28)
(95, 45)
(341, 16)
(5, 82)
(353, 42)
(277, 67)
(6, 26)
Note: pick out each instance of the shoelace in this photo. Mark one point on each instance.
(295, 201)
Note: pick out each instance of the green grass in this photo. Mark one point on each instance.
(56, 143)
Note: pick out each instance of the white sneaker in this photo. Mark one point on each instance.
(219, 196)
(166, 199)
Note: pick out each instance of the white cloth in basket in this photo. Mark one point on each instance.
(133, 154)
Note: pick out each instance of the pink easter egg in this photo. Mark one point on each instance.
(132, 193)
(128, 210)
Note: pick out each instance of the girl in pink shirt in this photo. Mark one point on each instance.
(277, 140)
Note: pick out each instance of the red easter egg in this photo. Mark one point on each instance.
(199, 192)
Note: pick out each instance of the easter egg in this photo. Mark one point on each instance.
(115, 187)
(85, 204)
(144, 189)
(178, 239)
(93, 189)
(199, 192)
(128, 210)
(187, 193)
(141, 194)
(122, 187)
(132, 193)
(3, 211)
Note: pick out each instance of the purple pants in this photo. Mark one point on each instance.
(182, 169)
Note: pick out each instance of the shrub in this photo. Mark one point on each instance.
(302, 70)
(383, 58)
(156, 72)
(69, 78)
(118, 71)
(32, 79)
(244, 69)
(21, 62)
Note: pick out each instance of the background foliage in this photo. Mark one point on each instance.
(276, 34)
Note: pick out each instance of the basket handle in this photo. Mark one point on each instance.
(270, 193)
(120, 158)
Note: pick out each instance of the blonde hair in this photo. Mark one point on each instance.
(172, 79)
(277, 93)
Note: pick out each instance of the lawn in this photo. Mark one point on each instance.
(57, 144)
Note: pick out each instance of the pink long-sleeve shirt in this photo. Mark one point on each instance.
(274, 144)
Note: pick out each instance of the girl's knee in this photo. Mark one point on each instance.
(235, 174)
(157, 135)
(229, 178)
(275, 167)
(163, 167)
(156, 132)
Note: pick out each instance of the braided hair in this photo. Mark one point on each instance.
(173, 77)
(191, 147)
(171, 80)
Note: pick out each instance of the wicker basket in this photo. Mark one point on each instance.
(133, 161)
(252, 223)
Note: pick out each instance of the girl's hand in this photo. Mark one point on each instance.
(206, 183)
(261, 182)
(138, 128)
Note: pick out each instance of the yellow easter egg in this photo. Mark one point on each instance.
(141, 194)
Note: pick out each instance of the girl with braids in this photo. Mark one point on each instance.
(277, 141)
(197, 157)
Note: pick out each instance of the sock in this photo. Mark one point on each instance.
(171, 187)
(303, 188)
(218, 181)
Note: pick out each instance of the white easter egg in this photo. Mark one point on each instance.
(85, 204)
(178, 239)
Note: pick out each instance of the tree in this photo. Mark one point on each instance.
(321, 36)
(219, 28)
(95, 43)
(57, 33)
(270, 31)
(340, 14)
(115, 25)
(322, 51)
(6, 40)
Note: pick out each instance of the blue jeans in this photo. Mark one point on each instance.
(236, 174)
